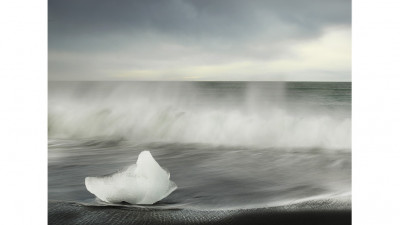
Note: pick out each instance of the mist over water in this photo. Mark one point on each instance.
(266, 114)
(226, 144)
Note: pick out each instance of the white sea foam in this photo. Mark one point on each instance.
(174, 114)
(142, 183)
(146, 122)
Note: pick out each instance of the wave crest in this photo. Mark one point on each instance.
(186, 117)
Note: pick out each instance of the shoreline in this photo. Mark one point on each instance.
(325, 212)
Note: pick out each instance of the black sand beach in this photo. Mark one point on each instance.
(312, 212)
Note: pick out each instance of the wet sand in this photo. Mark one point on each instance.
(326, 212)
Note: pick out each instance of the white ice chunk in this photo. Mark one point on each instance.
(142, 183)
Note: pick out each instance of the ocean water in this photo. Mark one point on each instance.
(227, 145)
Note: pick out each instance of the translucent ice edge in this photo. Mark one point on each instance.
(142, 183)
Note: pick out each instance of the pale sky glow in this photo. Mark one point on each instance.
(330, 52)
(200, 40)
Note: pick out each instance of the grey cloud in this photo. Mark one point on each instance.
(195, 19)
(141, 33)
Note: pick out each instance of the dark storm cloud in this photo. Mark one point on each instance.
(196, 18)
(250, 28)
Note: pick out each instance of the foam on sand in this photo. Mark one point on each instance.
(142, 183)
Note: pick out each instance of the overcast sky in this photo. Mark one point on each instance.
(278, 40)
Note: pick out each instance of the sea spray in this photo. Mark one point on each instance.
(262, 114)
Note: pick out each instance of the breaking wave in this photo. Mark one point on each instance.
(187, 115)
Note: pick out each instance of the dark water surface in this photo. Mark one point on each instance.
(227, 145)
